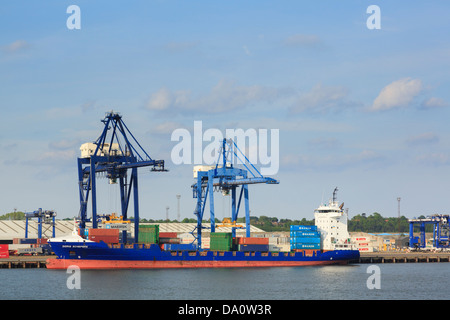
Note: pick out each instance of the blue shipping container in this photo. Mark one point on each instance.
(28, 241)
(180, 247)
(305, 246)
(305, 240)
(254, 247)
(303, 228)
(305, 234)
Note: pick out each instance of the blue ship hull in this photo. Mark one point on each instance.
(92, 255)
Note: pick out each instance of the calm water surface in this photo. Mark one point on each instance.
(409, 281)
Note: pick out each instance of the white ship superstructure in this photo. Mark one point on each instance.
(331, 221)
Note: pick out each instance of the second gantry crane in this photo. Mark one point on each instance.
(227, 179)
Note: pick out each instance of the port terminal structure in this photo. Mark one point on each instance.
(441, 232)
(114, 153)
(225, 178)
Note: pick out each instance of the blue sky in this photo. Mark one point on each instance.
(364, 110)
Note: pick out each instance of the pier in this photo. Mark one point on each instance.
(23, 262)
(404, 257)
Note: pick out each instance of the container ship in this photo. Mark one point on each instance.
(88, 254)
(309, 246)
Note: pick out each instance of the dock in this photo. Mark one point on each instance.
(23, 262)
(404, 257)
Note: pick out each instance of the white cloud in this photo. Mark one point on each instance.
(434, 103)
(160, 100)
(15, 47)
(434, 159)
(400, 93)
(323, 99)
(223, 97)
(423, 139)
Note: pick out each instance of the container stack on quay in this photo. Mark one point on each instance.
(4, 251)
(304, 237)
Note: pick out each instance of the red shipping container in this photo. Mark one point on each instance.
(104, 232)
(167, 234)
(105, 239)
(42, 241)
(252, 240)
(4, 251)
(106, 235)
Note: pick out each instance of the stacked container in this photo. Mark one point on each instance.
(168, 237)
(4, 251)
(252, 244)
(105, 235)
(221, 241)
(180, 247)
(304, 237)
(149, 233)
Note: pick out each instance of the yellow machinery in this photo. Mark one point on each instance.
(227, 223)
(113, 219)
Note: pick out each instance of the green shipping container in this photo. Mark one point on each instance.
(148, 233)
(221, 241)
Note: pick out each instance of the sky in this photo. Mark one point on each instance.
(362, 109)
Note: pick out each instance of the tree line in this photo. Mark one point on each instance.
(375, 222)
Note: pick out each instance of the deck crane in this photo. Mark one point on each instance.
(114, 153)
(227, 179)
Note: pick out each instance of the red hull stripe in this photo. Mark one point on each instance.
(121, 264)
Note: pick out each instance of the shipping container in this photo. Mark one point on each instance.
(359, 239)
(305, 246)
(28, 241)
(253, 247)
(4, 251)
(103, 232)
(180, 247)
(105, 239)
(303, 228)
(149, 233)
(305, 240)
(305, 234)
(168, 234)
(221, 241)
(169, 240)
(251, 240)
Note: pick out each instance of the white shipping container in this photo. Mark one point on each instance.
(18, 246)
(360, 239)
(365, 249)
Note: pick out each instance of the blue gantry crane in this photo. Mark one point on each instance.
(441, 232)
(43, 216)
(226, 179)
(114, 154)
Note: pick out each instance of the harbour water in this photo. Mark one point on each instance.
(409, 281)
